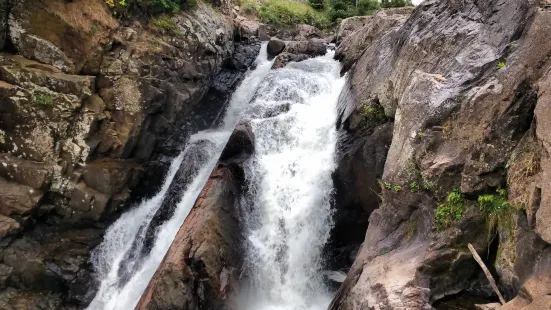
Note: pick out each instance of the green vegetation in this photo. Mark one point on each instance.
(395, 3)
(166, 25)
(500, 65)
(149, 7)
(372, 115)
(411, 228)
(319, 13)
(286, 13)
(498, 211)
(44, 100)
(317, 4)
(413, 187)
(450, 211)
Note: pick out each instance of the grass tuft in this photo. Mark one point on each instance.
(450, 211)
(44, 100)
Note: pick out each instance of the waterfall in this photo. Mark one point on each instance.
(286, 210)
(125, 238)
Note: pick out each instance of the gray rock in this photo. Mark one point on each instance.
(421, 86)
(275, 46)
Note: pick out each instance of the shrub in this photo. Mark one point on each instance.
(289, 13)
(395, 3)
(367, 6)
(166, 25)
(160, 6)
(451, 211)
(44, 100)
(341, 9)
(317, 4)
(250, 7)
(149, 7)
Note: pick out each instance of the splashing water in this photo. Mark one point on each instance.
(116, 292)
(287, 208)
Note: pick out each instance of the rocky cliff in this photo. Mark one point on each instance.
(464, 86)
(89, 104)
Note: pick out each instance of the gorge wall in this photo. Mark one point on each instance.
(463, 85)
(89, 105)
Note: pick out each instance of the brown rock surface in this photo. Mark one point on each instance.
(201, 266)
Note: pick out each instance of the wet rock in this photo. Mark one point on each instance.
(284, 58)
(201, 267)
(244, 56)
(275, 46)
(361, 164)
(296, 51)
(240, 145)
(311, 48)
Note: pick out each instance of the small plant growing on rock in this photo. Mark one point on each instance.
(450, 211)
(166, 25)
(411, 228)
(500, 65)
(396, 188)
(413, 187)
(427, 184)
(498, 210)
(44, 100)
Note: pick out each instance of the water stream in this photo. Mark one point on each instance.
(119, 290)
(286, 210)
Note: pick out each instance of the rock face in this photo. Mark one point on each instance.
(201, 267)
(87, 108)
(468, 114)
(355, 34)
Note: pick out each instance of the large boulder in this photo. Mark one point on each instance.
(202, 265)
(240, 144)
(275, 46)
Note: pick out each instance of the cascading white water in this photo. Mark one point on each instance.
(287, 209)
(129, 230)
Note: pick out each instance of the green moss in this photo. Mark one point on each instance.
(500, 65)
(411, 228)
(450, 211)
(166, 25)
(44, 100)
